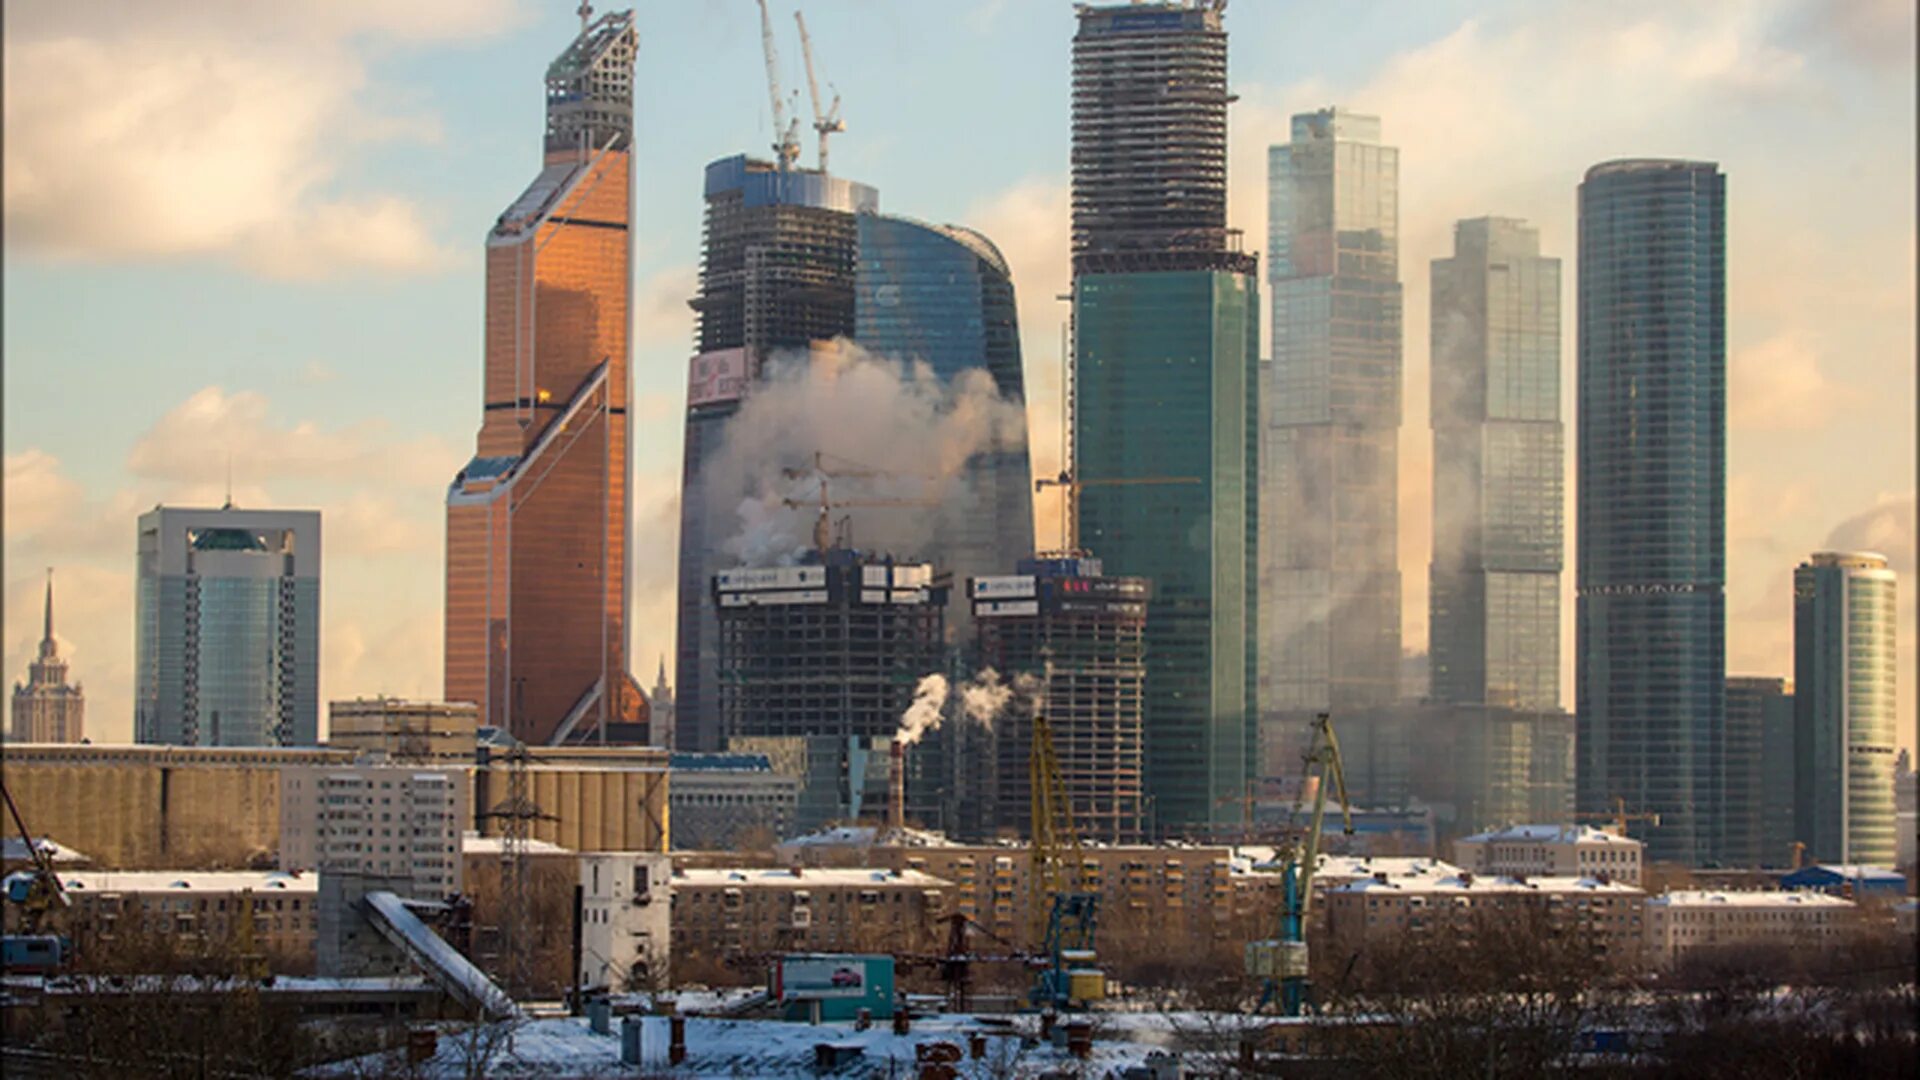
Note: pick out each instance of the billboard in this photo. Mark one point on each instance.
(773, 577)
(720, 375)
(1003, 587)
(818, 978)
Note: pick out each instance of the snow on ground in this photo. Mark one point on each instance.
(567, 1047)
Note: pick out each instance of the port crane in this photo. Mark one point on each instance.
(786, 134)
(1281, 962)
(35, 893)
(828, 122)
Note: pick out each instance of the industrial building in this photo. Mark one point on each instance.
(818, 662)
(416, 732)
(776, 274)
(227, 628)
(1164, 473)
(46, 709)
(1082, 635)
(589, 799)
(538, 523)
(625, 921)
(720, 801)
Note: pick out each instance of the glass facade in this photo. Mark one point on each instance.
(227, 628)
(1651, 542)
(944, 296)
(776, 273)
(1844, 619)
(537, 521)
(1498, 465)
(1329, 560)
(1165, 376)
(1759, 772)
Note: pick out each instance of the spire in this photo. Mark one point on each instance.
(661, 679)
(47, 646)
(586, 15)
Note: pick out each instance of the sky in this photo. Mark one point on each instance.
(248, 237)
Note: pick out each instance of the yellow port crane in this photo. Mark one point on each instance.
(1065, 915)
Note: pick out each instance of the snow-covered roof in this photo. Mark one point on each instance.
(1857, 872)
(765, 877)
(1782, 898)
(1550, 834)
(868, 836)
(192, 881)
(1339, 867)
(14, 849)
(1468, 884)
(472, 843)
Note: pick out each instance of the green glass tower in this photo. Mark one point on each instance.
(1165, 368)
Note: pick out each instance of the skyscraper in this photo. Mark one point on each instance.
(537, 546)
(227, 631)
(1759, 765)
(1330, 569)
(1165, 391)
(1498, 465)
(943, 295)
(45, 707)
(1651, 544)
(1843, 673)
(776, 273)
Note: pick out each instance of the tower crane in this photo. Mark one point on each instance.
(1282, 961)
(786, 135)
(828, 122)
(822, 526)
(1618, 816)
(1070, 505)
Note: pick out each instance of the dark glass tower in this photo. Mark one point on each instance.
(942, 295)
(776, 274)
(1498, 465)
(1651, 546)
(1165, 393)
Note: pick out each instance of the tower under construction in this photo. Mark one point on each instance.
(1074, 641)
(777, 274)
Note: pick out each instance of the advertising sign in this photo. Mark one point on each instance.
(772, 577)
(720, 375)
(814, 978)
(1003, 587)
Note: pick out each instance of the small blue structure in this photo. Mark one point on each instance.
(1861, 881)
(833, 987)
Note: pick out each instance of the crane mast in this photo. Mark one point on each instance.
(1282, 961)
(828, 122)
(786, 136)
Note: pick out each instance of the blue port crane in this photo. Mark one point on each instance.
(1281, 962)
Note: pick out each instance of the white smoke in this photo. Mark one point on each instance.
(984, 697)
(1030, 688)
(899, 422)
(924, 715)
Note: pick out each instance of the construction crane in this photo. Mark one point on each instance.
(822, 526)
(1067, 977)
(828, 122)
(1618, 816)
(786, 135)
(1281, 962)
(1070, 502)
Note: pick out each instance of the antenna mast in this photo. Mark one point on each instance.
(825, 123)
(786, 136)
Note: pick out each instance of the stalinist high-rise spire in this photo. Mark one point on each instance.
(45, 708)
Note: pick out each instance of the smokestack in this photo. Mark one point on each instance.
(897, 788)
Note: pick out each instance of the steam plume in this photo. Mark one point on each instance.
(929, 699)
(984, 697)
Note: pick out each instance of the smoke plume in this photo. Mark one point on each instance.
(984, 697)
(929, 701)
(891, 430)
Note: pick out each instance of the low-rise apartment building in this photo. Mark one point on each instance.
(190, 913)
(1551, 850)
(719, 913)
(1687, 922)
(1385, 908)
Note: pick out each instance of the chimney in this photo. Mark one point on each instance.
(897, 788)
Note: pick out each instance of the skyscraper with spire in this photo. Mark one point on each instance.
(45, 707)
(537, 523)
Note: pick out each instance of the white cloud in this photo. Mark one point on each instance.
(214, 130)
(660, 312)
(1778, 385)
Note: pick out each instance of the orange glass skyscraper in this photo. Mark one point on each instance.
(537, 546)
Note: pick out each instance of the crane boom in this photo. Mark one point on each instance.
(786, 144)
(828, 122)
(1070, 509)
(1282, 961)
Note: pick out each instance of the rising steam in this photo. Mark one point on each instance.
(929, 701)
(984, 697)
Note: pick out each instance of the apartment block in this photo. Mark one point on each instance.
(727, 912)
(1551, 850)
(397, 824)
(274, 914)
(1384, 908)
(1684, 923)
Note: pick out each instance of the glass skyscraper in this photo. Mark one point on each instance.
(1651, 544)
(943, 295)
(1759, 763)
(537, 521)
(776, 274)
(1329, 562)
(1165, 384)
(227, 628)
(1498, 470)
(1844, 617)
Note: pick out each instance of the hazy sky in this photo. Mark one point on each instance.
(255, 229)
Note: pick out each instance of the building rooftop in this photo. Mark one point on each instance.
(475, 844)
(1879, 875)
(689, 762)
(1472, 884)
(868, 836)
(14, 849)
(190, 881)
(1550, 834)
(787, 878)
(1798, 898)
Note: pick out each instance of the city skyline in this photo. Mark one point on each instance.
(301, 437)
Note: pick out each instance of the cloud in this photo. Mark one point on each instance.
(1888, 528)
(660, 312)
(1879, 32)
(1778, 385)
(215, 130)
